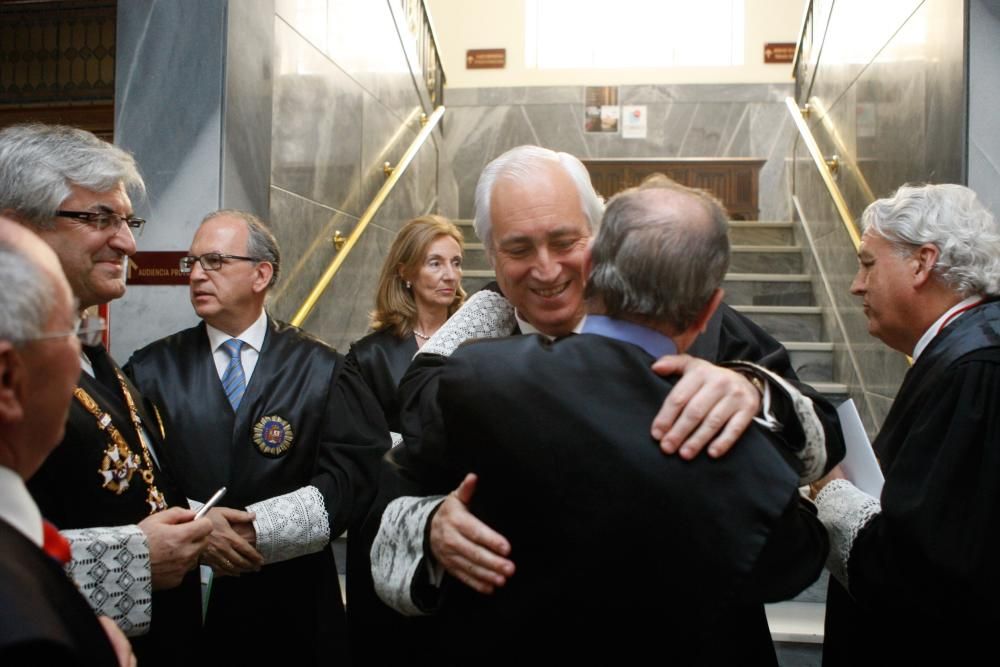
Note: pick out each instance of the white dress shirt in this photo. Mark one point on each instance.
(18, 508)
(253, 340)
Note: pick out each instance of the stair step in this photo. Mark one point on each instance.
(771, 289)
(761, 232)
(803, 324)
(830, 389)
(766, 259)
(796, 622)
(812, 361)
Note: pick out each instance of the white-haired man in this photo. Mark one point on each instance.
(135, 546)
(43, 617)
(919, 564)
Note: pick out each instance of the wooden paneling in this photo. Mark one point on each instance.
(733, 180)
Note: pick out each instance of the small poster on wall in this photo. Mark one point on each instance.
(600, 109)
(634, 121)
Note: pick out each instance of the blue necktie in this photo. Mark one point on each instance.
(233, 381)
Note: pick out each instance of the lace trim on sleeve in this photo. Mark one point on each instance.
(486, 314)
(813, 452)
(111, 568)
(844, 510)
(398, 551)
(292, 525)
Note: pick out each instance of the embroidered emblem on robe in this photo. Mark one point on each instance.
(273, 435)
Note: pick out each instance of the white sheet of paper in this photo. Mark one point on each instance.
(859, 464)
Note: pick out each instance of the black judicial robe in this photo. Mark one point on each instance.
(923, 573)
(69, 492)
(382, 359)
(339, 437)
(621, 553)
(43, 618)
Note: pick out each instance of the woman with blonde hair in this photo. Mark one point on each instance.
(419, 288)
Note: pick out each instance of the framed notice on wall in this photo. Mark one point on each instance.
(601, 112)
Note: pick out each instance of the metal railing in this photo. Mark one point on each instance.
(344, 248)
(825, 167)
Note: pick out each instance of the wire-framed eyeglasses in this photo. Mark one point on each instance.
(211, 261)
(103, 219)
(89, 330)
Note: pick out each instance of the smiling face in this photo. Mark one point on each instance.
(230, 298)
(540, 236)
(93, 259)
(437, 279)
(884, 281)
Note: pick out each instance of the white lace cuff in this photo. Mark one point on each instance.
(486, 314)
(111, 568)
(292, 525)
(813, 452)
(844, 510)
(398, 550)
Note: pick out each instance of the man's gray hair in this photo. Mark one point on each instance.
(523, 164)
(27, 297)
(261, 244)
(652, 261)
(40, 163)
(950, 217)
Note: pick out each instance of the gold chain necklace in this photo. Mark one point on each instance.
(119, 462)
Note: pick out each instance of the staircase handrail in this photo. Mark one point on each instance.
(373, 208)
(824, 171)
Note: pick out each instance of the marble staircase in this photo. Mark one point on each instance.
(767, 284)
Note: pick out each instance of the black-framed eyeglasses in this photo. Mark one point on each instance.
(211, 261)
(89, 330)
(103, 219)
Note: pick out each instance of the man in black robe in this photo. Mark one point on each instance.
(135, 548)
(43, 617)
(291, 431)
(535, 212)
(581, 490)
(916, 568)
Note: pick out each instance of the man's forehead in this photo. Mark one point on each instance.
(549, 203)
(223, 233)
(114, 199)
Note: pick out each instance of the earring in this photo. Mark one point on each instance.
(408, 284)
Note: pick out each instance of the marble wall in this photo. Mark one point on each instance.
(886, 87)
(286, 108)
(684, 120)
(984, 100)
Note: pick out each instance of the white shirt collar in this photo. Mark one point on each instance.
(933, 330)
(528, 328)
(18, 508)
(252, 336)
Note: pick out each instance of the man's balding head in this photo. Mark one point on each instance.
(660, 256)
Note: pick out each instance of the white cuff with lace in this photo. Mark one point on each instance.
(292, 525)
(813, 452)
(844, 509)
(485, 314)
(112, 570)
(398, 551)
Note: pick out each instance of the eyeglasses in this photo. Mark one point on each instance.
(210, 261)
(88, 329)
(103, 219)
